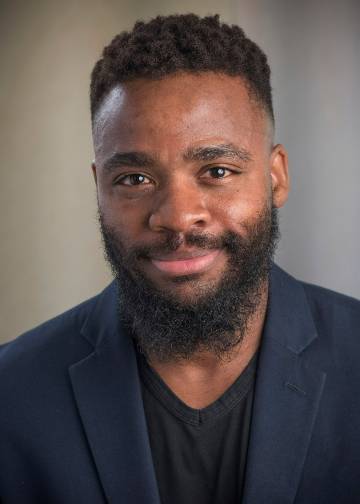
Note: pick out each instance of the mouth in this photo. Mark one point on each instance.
(186, 262)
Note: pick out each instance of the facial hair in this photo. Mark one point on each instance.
(167, 329)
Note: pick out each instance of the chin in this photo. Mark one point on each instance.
(188, 290)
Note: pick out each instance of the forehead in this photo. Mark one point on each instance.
(177, 111)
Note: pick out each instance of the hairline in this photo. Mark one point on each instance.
(253, 97)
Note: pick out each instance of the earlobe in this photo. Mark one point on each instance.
(279, 175)
(93, 168)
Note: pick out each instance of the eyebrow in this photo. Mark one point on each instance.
(208, 153)
(132, 159)
(212, 152)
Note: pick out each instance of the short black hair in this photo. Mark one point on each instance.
(169, 44)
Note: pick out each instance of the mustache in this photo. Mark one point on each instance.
(173, 241)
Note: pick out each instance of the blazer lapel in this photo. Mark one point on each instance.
(287, 397)
(108, 395)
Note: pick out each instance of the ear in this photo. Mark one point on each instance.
(279, 175)
(93, 168)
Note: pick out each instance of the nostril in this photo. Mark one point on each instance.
(179, 223)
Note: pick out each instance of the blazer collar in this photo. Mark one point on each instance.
(289, 320)
(108, 395)
(287, 396)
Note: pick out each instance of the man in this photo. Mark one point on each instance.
(203, 373)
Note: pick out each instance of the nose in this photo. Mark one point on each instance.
(179, 208)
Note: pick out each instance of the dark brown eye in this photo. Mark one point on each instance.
(134, 179)
(218, 172)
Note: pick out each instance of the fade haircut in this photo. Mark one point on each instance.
(169, 44)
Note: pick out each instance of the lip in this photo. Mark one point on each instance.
(185, 263)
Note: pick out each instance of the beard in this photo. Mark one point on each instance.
(167, 328)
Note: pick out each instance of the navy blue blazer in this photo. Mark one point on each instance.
(72, 424)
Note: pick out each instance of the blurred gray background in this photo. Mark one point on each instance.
(51, 257)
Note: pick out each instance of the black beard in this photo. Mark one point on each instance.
(167, 329)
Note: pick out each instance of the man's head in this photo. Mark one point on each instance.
(188, 180)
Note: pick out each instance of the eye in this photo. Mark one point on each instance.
(219, 172)
(133, 179)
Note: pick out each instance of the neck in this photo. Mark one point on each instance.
(204, 377)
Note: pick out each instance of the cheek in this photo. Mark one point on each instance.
(237, 215)
(126, 217)
(243, 206)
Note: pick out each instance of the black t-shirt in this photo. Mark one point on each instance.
(199, 455)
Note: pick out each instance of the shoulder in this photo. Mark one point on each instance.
(332, 308)
(330, 321)
(327, 306)
(35, 384)
(337, 321)
(48, 345)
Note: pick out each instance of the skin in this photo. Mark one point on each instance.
(183, 188)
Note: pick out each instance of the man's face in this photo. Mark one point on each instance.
(184, 154)
(186, 175)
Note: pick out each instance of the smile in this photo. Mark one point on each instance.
(179, 264)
